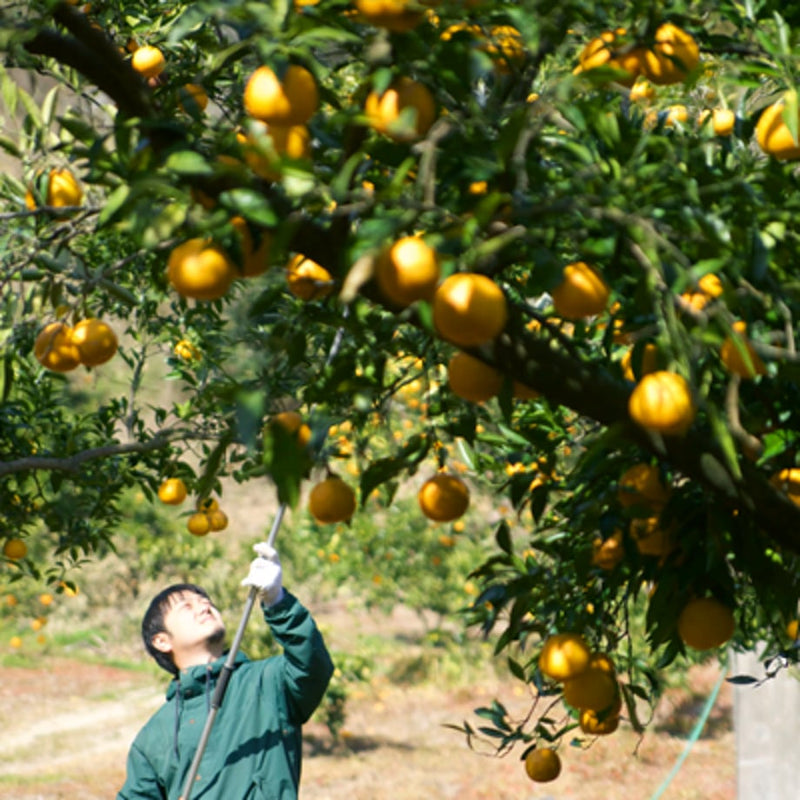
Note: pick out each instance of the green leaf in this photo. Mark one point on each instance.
(188, 162)
(114, 202)
(250, 204)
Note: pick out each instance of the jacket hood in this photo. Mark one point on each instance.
(197, 680)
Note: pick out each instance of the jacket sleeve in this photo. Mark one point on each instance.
(141, 782)
(307, 665)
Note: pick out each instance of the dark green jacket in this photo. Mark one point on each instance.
(254, 749)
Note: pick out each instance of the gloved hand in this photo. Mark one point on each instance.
(266, 574)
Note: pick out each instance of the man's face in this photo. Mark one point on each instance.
(193, 625)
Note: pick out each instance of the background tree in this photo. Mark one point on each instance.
(567, 226)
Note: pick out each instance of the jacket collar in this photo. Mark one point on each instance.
(195, 680)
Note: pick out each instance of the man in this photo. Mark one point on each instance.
(254, 749)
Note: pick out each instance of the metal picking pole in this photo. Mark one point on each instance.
(227, 670)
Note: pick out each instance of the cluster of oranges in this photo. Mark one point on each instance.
(61, 348)
(207, 517)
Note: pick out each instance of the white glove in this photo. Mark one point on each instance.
(266, 574)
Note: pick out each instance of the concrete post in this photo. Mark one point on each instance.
(767, 727)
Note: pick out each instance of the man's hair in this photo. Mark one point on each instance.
(153, 621)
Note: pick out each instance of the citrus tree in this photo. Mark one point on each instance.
(557, 237)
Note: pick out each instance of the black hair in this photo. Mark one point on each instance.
(153, 621)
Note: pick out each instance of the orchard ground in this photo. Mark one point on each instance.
(67, 724)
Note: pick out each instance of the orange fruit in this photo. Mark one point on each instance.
(677, 113)
(738, 354)
(172, 491)
(773, 134)
(186, 350)
(332, 500)
(581, 293)
(607, 553)
(46, 599)
(15, 642)
(148, 61)
(609, 49)
(708, 287)
(398, 16)
(200, 269)
(255, 259)
(651, 539)
(673, 56)
(95, 340)
(564, 656)
(792, 629)
(641, 485)
(662, 402)
(705, 623)
(290, 100)
(307, 279)
(469, 309)
(404, 112)
(472, 379)
(54, 348)
(542, 764)
(198, 524)
(217, 520)
(648, 361)
(788, 481)
(63, 190)
(443, 497)
(292, 421)
(193, 97)
(407, 270)
(38, 623)
(642, 91)
(207, 505)
(594, 688)
(601, 723)
(15, 549)
(290, 141)
(723, 120)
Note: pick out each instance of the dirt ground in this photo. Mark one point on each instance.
(65, 728)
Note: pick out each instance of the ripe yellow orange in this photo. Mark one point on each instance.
(607, 553)
(46, 599)
(15, 642)
(54, 348)
(407, 270)
(564, 656)
(148, 61)
(332, 500)
(662, 402)
(404, 112)
(95, 340)
(292, 421)
(774, 136)
(38, 623)
(581, 293)
(291, 100)
(676, 114)
(723, 120)
(792, 629)
(609, 49)
(193, 97)
(472, 379)
(398, 16)
(443, 497)
(198, 524)
(788, 481)
(307, 279)
(705, 623)
(62, 191)
(542, 765)
(601, 723)
(641, 485)
(186, 350)
(738, 354)
(594, 688)
(172, 491)
(642, 91)
(648, 361)
(15, 549)
(673, 56)
(264, 157)
(708, 287)
(469, 309)
(255, 259)
(200, 269)
(217, 520)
